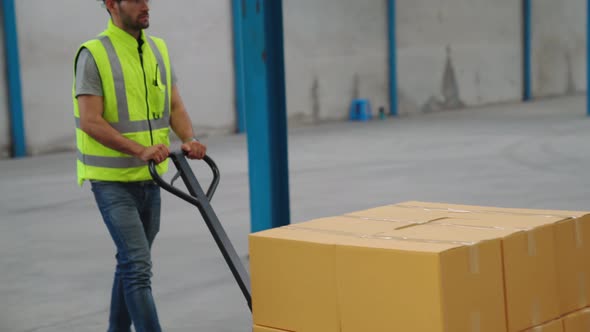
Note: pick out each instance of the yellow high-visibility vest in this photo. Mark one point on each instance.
(136, 89)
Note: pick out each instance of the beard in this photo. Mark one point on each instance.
(134, 24)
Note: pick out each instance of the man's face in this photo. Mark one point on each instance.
(134, 14)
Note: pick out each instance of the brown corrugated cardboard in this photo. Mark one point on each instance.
(529, 265)
(572, 242)
(578, 321)
(334, 275)
(530, 277)
(363, 266)
(573, 258)
(573, 263)
(462, 285)
(530, 272)
(293, 279)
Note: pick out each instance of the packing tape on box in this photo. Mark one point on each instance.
(322, 231)
(536, 312)
(430, 209)
(415, 239)
(385, 219)
(582, 287)
(436, 222)
(476, 321)
(474, 259)
(425, 208)
(441, 222)
(579, 235)
(376, 236)
(532, 244)
(409, 222)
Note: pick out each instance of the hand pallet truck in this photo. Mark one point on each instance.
(197, 197)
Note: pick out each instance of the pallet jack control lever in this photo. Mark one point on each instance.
(197, 197)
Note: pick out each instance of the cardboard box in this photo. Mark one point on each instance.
(553, 326)
(572, 242)
(357, 272)
(293, 280)
(573, 258)
(578, 321)
(530, 257)
(346, 274)
(530, 272)
(530, 276)
(573, 263)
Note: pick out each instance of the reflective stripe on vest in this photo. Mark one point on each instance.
(110, 162)
(162, 67)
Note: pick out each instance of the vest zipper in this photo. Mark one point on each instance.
(147, 103)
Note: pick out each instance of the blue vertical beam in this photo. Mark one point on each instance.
(392, 24)
(266, 115)
(15, 104)
(237, 13)
(527, 32)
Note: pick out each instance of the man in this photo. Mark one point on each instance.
(125, 102)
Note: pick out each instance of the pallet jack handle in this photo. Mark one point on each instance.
(197, 197)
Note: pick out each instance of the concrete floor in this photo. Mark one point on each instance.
(56, 258)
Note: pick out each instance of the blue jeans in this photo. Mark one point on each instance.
(131, 212)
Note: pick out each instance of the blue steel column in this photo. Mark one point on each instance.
(392, 23)
(15, 105)
(237, 13)
(527, 49)
(266, 115)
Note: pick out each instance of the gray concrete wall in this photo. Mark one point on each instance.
(200, 44)
(47, 47)
(559, 47)
(451, 54)
(199, 35)
(4, 119)
(458, 53)
(335, 50)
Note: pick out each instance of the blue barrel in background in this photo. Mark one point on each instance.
(360, 110)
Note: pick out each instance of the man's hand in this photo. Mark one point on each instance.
(157, 153)
(194, 149)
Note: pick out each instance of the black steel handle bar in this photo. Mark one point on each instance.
(176, 157)
(197, 197)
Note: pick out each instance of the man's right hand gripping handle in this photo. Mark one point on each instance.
(157, 153)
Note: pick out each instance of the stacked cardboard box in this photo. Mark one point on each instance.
(571, 231)
(420, 266)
